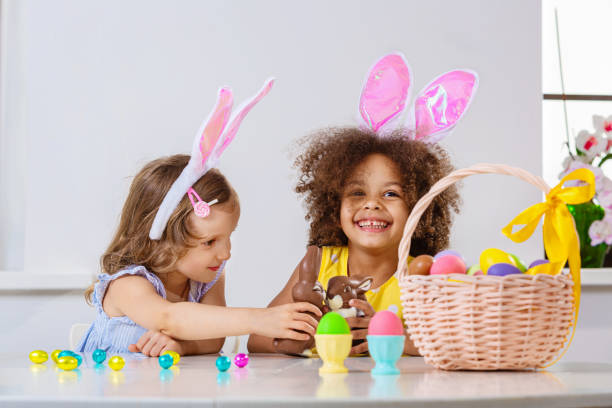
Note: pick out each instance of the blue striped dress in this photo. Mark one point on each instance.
(115, 334)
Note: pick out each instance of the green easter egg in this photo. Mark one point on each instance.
(333, 323)
(519, 264)
(473, 269)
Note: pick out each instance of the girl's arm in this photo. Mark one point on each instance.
(215, 296)
(134, 296)
(264, 344)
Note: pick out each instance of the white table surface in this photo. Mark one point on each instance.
(273, 380)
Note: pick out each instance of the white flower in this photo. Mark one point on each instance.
(603, 125)
(591, 144)
(601, 231)
(605, 200)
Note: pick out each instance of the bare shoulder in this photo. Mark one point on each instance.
(131, 283)
(120, 288)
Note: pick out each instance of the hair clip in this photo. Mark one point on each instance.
(200, 207)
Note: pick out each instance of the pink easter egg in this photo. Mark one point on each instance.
(446, 265)
(385, 323)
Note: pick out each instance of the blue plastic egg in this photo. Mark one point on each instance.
(165, 361)
(223, 363)
(503, 269)
(71, 354)
(98, 356)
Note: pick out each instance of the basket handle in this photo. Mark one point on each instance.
(444, 183)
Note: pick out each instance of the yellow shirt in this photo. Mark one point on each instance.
(334, 262)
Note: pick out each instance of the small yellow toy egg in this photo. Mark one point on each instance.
(176, 357)
(67, 363)
(494, 256)
(116, 363)
(54, 355)
(38, 356)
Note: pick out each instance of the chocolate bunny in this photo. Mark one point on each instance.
(341, 289)
(307, 289)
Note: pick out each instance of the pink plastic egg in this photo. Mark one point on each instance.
(241, 360)
(503, 269)
(385, 323)
(446, 265)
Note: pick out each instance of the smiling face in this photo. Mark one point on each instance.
(373, 210)
(202, 262)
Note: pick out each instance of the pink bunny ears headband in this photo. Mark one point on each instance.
(214, 135)
(436, 109)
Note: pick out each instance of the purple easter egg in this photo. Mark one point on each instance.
(538, 262)
(503, 269)
(241, 360)
(448, 252)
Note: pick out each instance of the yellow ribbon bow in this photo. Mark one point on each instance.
(560, 238)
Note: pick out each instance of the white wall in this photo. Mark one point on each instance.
(102, 87)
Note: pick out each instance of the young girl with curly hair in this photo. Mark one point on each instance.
(162, 285)
(359, 186)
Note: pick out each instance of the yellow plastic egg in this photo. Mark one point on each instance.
(54, 355)
(176, 357)
(493, 256)
(116, 363)
(38, 356)
(67, 363)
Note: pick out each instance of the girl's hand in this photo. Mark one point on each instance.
(359, 325)
(154, 343)
(287, 321)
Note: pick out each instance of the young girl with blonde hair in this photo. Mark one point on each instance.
(162, 285)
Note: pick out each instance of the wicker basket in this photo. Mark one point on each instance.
(461, 322)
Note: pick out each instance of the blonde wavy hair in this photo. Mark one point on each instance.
(131, 244)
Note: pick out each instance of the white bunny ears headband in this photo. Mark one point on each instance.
(214, 135)
(436, 109)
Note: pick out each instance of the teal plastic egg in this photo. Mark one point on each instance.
(98, 356)
(223, 363)
(165, 361)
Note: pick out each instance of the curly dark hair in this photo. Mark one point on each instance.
(330, 156)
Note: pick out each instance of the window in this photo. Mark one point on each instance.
(584, 32)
